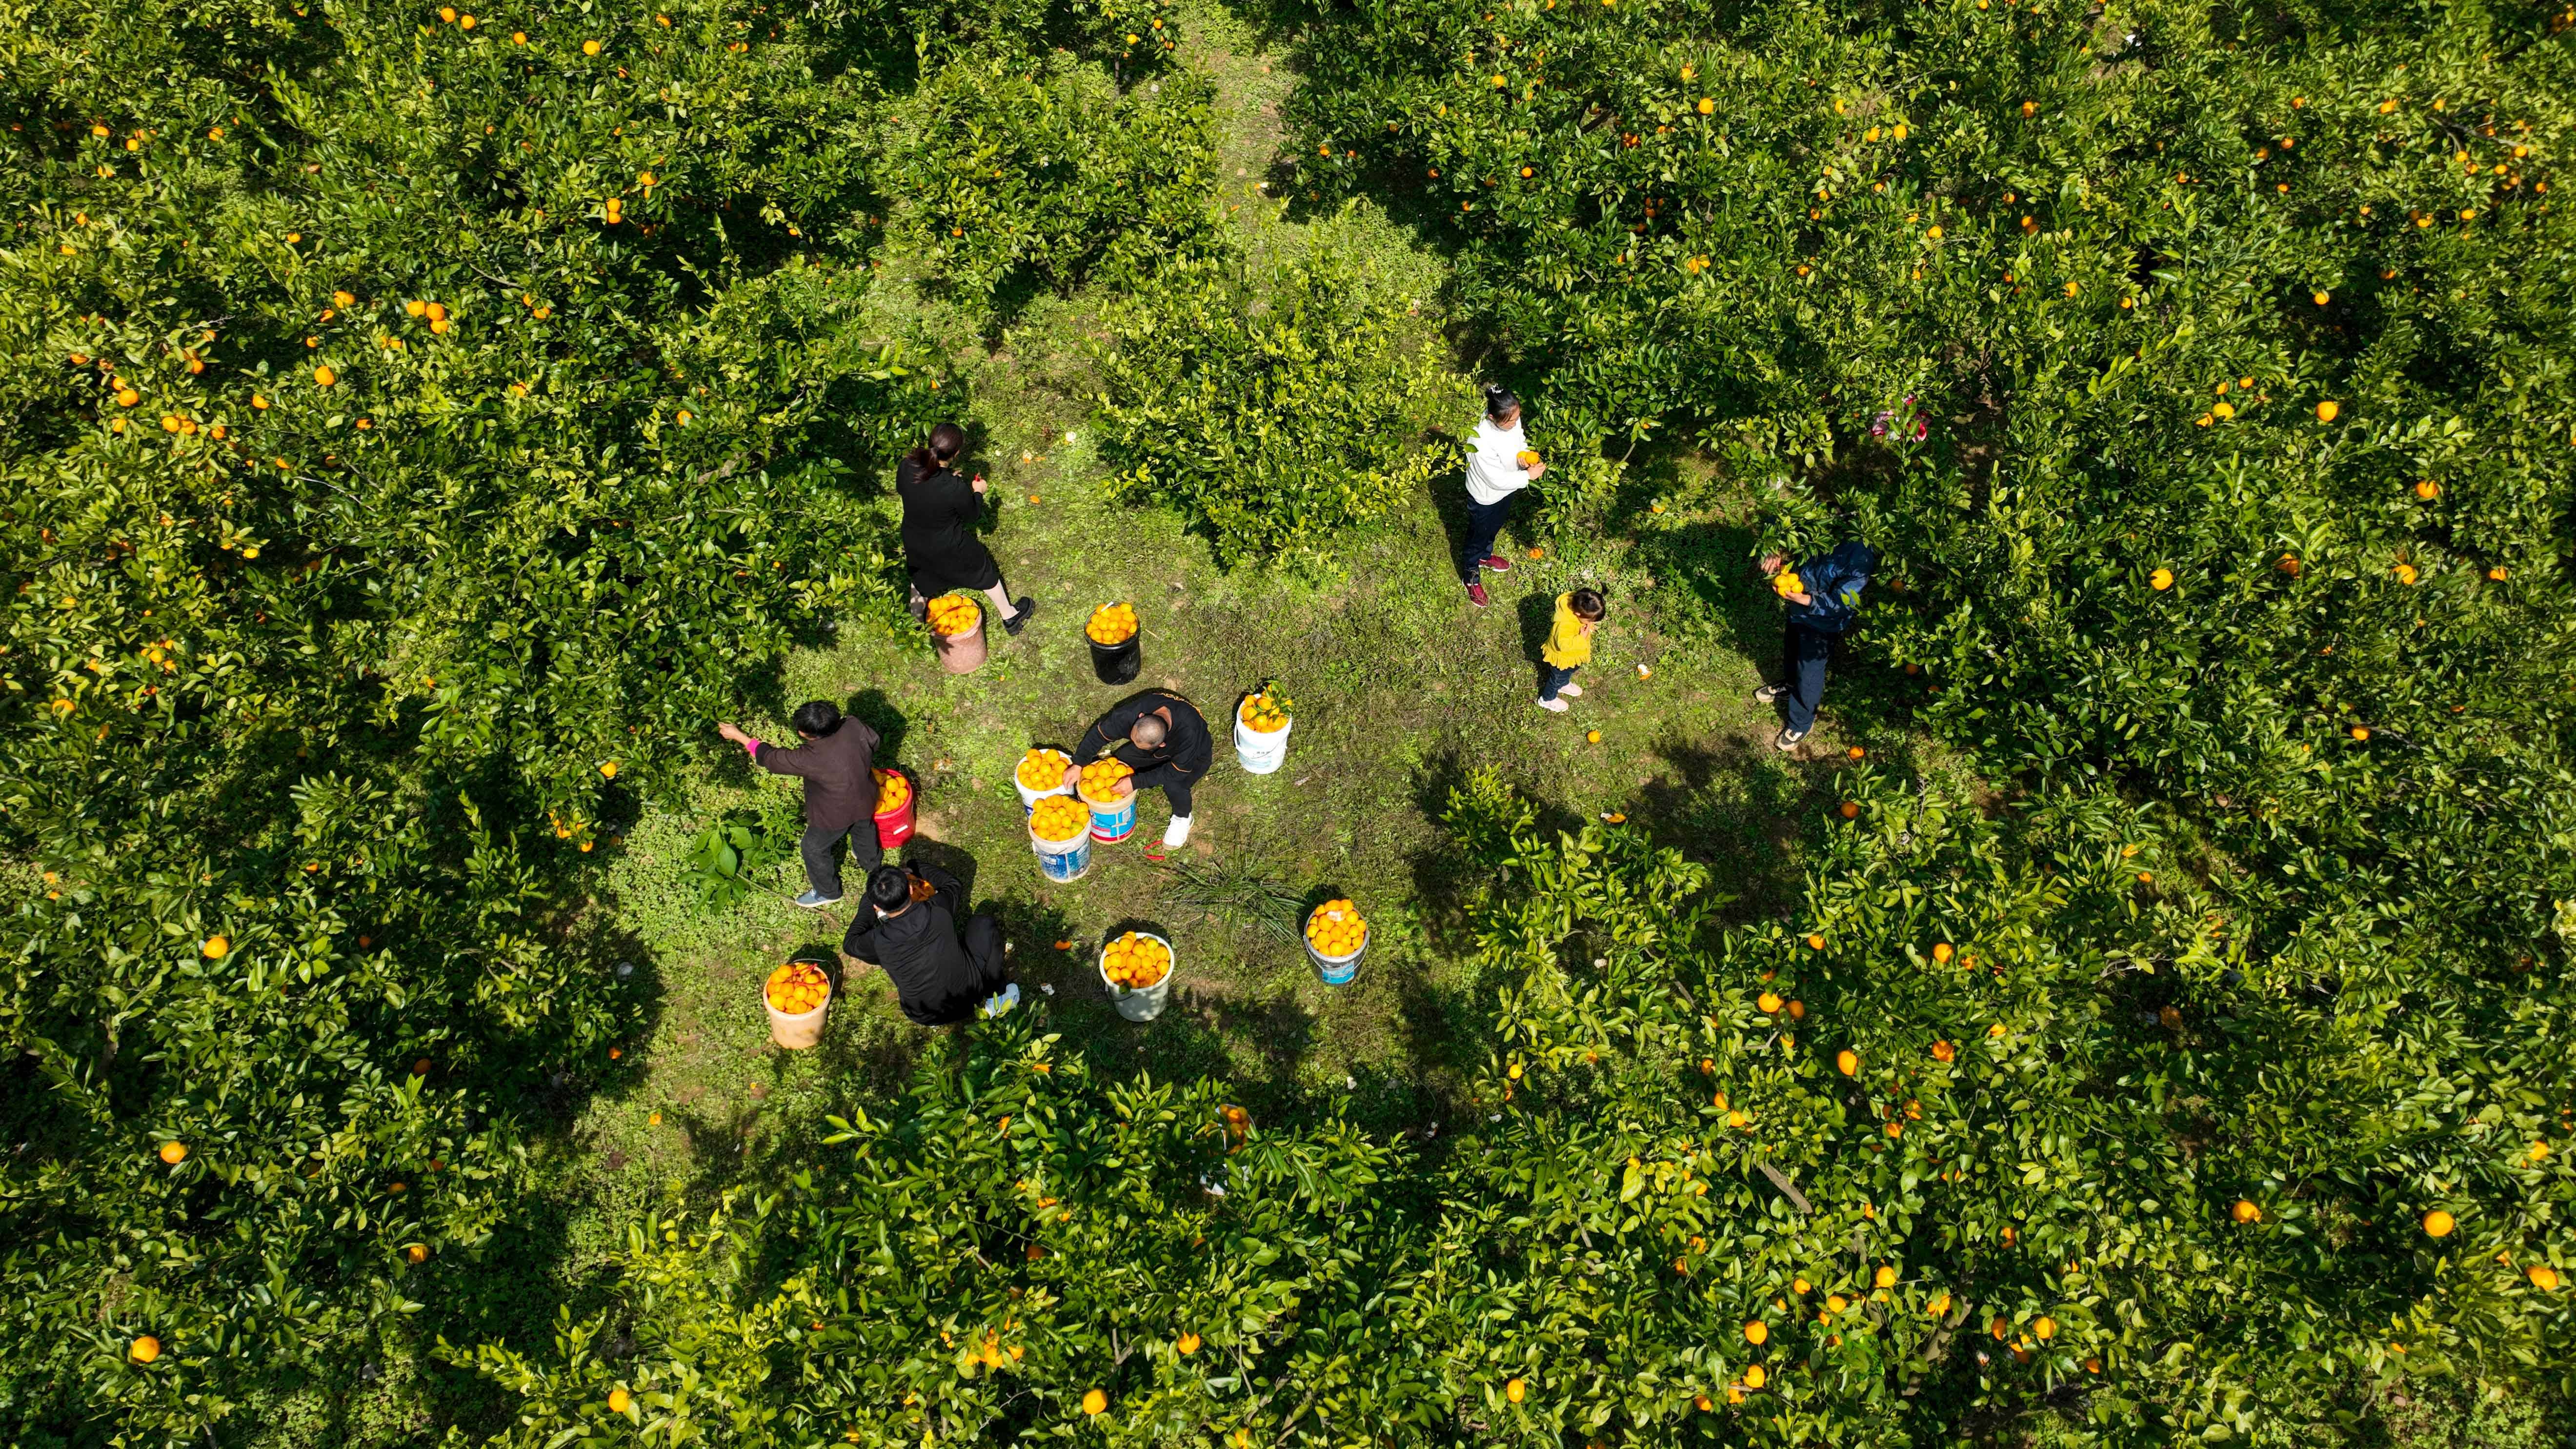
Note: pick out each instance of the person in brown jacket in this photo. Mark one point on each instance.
(837, 762)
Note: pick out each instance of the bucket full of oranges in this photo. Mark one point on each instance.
(1039, 774)
(1137, 969)
(1336, 939)
(1060, 833)
(1117, 645)
(1261, 725)
(797, 995)
(894, 808)
(957, 632)
(1113, 816)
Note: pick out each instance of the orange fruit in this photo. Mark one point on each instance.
(2327, 411)
(1942, 1051)
(2543, 1277)
(2438, 1224)
(2160, 580)
(1847, 1062)
(144, 1349)
(1515, 1390)
(619, 1401)
(1187, 1344)
(324, 377)
(174, 1153)
(1757, 1331)
(1095, 1402)
(1768, 1002)
(2245, 1211)
(216, 948)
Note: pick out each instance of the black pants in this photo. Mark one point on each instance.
(1175, 783)
(816, 846)
(1802, 664)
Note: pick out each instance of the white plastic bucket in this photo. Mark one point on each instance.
(1259, 753)
(1029, 798)
(1062, 860)
(1336, 970)
(1140, 1003)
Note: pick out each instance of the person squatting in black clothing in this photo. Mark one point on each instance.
(1164, 739)
(909, 930)
(837, 762)
(940, 511)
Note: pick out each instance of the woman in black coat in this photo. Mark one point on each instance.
(940, 510)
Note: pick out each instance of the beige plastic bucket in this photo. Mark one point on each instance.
(803, 1029)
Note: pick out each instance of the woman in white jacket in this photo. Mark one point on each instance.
(1495, 471)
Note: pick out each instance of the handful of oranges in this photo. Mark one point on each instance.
(1787, 582)
(1101, 777)
(892, 790)
(1336, 929)
(1136, 961)
(1059, 817)
(1266, 712)
(954, 614)
(1112, 624)
(1525, 458)
(1043, 769)
(798, 987)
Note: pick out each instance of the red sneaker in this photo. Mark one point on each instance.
(1476, 594)
(1497, 563)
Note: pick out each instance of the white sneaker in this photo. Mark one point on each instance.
(1000, 1001)
(1554, 706)
(1176, 834)
(1571, 691)
(1769, 692)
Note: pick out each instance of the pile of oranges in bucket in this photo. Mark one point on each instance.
(1043, 769)
(1112, 624)
(1059, 817)
(954, 614)
(798, 987)
(1100, 778)
(1136, 961)
(1266, 712)
(1336, 929)
(892, 790)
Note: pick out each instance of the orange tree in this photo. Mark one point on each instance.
(2197, 374)
(1007, 181)
(2173, 366)
(2013, 1123)
(1275, 406)
(1014, 1249)
(423, 422)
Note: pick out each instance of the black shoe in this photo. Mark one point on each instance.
(1021, 609)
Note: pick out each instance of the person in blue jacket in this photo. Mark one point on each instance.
(1825, 603)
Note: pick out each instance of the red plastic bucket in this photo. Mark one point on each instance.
(894, 827)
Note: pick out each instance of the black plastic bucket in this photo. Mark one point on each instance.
(1117, 663)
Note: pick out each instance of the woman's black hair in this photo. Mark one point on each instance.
(946, 441)
(816, 717)
(1587, 603)
(1499, 402)
(889, 888)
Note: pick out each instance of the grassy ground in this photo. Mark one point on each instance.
(1401, 687)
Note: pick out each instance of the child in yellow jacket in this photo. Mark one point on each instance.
(1569, 646)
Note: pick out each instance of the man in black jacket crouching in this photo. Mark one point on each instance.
(940, 975)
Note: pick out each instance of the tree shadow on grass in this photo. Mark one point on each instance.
(1741, 807)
